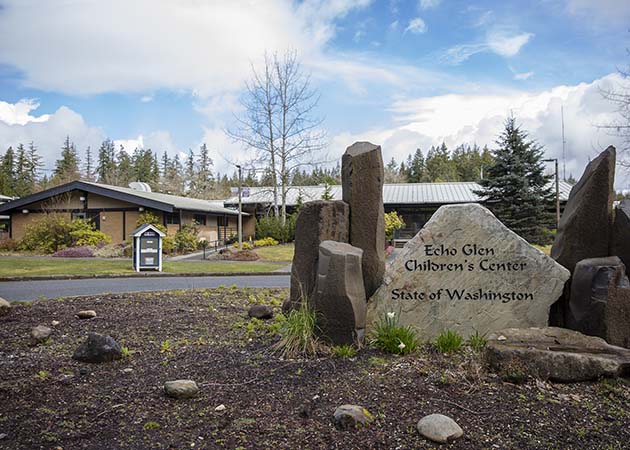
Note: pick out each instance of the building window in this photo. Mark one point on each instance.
(171, 218)
(200, 219)
(222, 221)
(79, 215)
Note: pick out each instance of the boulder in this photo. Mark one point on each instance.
(590, 289)
(40, 333)
(617, 317)
(467, 272)
(589, 208)
(262, 312)
(181, 389)
(439, 428)
(339, 299)
(555, 354)
(317, 221)
(97, 349)
(5, 307)
(88, 314)
(362, 183)
(351, 416)
(621, 233)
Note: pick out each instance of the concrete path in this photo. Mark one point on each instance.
(34, 290)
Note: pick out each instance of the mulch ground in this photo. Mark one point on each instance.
(48, 400)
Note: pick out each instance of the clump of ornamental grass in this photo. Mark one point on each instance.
(343, 351)
(449, 342)
(477, 342)
(298, 333)
(392, 337)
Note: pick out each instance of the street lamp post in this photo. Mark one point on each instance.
(557, 190)
(240, 208)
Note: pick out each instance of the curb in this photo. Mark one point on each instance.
(142, 275)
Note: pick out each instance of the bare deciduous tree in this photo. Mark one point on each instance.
(620, 97)
(279, 122)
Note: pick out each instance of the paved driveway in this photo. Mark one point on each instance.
(33, 290)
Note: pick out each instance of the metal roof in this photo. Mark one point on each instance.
(155, 200)
(393, 194)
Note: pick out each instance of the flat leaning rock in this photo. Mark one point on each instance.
(555, 354)
(467, 272)
(5, 307)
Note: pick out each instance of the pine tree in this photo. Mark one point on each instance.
(516, 187)
(124, 169)
(106, 164)
(23, 181)
(89, 165)
(7, 173)
(67, 167)
(416, 169)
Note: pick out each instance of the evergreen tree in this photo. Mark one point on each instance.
(201, 174)
(439, 165)
(516, 187)
(106, 163)
(89, 164)
(124, 169)
(23, 181)
(67, 167)
(7, 173)
(416, 169)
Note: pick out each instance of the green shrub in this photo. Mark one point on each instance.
(265, 242)
(272, 226)
(246, 245)
(186, 239)
(393, 222)
(477, 342)
(297, 331)
(149, 217)
(8, 245)
(343, 351)
(449, 342)
(53, 232)
(168, 245)
(391, 337)
(83, 234)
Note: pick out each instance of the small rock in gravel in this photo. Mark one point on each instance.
(97, 349)
(5, 307)
(351, 416)
(88, 314)
(40, 333)
(127, 370)
(262, 312)
(83, 371)
(221, 407)
(181, 388)
(54, 323)
(439, 428)
(3, 435)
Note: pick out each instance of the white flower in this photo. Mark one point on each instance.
(390, 315)
(401, 345)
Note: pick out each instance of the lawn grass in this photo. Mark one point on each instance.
(282, 252)
(16, 267)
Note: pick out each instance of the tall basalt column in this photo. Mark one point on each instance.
(362, 181)
(317, 221)
(586, 225)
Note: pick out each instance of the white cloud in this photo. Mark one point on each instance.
(18, 113)
(500, 42)
(522, 76)
(427, 4)
(129, 144)
(146, 98)
(506, 45)
(48, 133)
(416, 26)
(457, 119)
(394, 25)
(204, 47)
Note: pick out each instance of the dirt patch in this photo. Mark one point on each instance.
(47, 399)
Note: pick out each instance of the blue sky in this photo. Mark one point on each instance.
(404, 74)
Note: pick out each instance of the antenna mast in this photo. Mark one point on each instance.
(564, 155)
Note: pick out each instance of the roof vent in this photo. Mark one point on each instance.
(140, 186)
